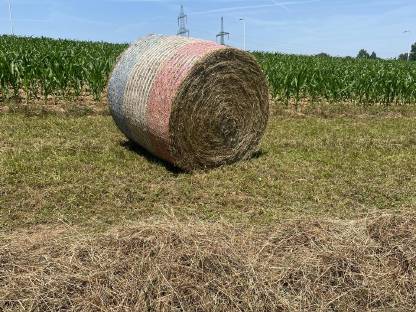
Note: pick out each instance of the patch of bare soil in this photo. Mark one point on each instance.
(80, 105)
(323, 108)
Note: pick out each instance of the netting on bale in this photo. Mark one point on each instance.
(193, 103)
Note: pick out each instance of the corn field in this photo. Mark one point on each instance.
(315, 78)
(36, 68)
(40, 67)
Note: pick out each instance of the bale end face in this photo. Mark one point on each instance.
(226, 97)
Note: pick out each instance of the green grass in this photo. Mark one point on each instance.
(81, 170)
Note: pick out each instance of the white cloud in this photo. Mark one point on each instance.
(252, 7)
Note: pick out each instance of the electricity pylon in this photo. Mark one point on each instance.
(222, 33)
(182, 20)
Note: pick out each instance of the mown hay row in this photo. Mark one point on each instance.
(368, 264)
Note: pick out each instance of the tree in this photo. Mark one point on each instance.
(373, 56)
(363, 54)
(322, 54)
(413, 52)
(412, 57)
(403, 57)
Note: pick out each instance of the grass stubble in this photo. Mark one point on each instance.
(167, 265)
(322, 219)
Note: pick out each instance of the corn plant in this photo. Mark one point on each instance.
(43, 67)
(335, 79)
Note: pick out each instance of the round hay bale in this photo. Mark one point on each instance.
(193, 103)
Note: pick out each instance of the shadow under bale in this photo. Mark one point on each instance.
(139, 150)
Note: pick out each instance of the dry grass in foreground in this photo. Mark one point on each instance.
(300, 265)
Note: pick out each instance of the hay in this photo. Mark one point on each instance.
(299, 265)
(193, 103)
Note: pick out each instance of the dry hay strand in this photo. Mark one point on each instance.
(300, 265)
(193, 103)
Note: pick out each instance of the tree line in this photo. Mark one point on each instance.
(409, 56)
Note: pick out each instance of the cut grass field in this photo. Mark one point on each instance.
(321, 219)
(82, 170)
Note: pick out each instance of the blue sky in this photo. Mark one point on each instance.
(338, 27)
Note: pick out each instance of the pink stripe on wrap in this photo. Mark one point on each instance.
(164, 89)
